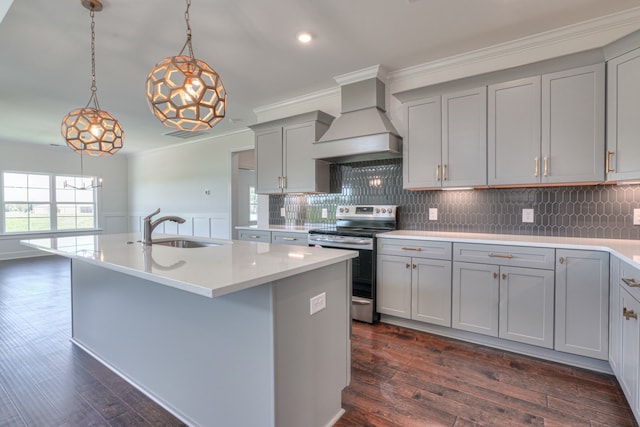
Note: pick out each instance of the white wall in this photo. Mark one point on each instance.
(112, 198)
(175, 179)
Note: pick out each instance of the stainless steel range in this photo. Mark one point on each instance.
(356, 229)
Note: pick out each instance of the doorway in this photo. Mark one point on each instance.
(244, 201)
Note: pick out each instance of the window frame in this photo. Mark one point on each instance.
(53, 204)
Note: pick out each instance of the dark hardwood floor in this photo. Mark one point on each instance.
(400, 377)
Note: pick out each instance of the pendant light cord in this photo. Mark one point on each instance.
(94, 86)
(188, 42)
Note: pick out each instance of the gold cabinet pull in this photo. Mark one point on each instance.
(546, 166)
(536, 166)
(291, 239)
(444, 172)
(561, 260)
(407, 248)
(631, 282)
(629, 314)
(438, 172)
(492, 255)
(407, 265)
(415, 266)
(495, 275)
(504, 276)
(608, 161)
(254, 236)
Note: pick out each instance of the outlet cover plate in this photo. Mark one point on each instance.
(317, 303)
(325, 214)
(636, 217)
(433, 214)
(282, 212)
(527, 215)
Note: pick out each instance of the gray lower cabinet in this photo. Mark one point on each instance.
(623, 126)
(502, 296)
(255, 235)
(415, 286)
(615, 318)
(626, 331)
(289, 238)
(284, 162)
(582, 303)
(278, 237)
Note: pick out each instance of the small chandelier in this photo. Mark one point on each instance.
(90, 130)
(185, 93)
(84, 185)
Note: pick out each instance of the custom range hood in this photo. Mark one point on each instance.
(362, 131)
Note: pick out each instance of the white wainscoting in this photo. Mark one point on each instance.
(215, 225)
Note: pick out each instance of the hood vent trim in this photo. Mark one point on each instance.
(363, 131)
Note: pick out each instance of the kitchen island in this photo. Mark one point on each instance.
(218, 335)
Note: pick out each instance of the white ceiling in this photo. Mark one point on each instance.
(45, 64)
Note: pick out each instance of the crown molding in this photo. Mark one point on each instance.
(291, 102)
(363, 74)
(591, 34)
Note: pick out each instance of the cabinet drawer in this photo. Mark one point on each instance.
(515, 256)
(255, 235)
(288, 238)
(415, 248)
(630, 279)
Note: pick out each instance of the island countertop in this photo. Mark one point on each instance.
(208, 271)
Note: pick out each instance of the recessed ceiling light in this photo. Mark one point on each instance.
(304, 37)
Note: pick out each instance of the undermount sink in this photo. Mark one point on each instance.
(184, 243)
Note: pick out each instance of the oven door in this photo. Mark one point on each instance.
(363, 283)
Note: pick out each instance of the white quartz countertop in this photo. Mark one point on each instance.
(628, 250)
(209, 271)
(287, 228)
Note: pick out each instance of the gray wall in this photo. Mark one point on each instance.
(580, 211)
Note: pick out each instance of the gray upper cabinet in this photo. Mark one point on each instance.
(464, 138)
(284, 162)
(623, 110)
(514, 132)
(422, 145)
(445, 141)
(548, 129)
(573, 125)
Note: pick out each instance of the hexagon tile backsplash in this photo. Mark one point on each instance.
(604, 211)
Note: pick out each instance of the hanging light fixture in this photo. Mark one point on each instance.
(84, 185)
(90, 130)
(185, 93)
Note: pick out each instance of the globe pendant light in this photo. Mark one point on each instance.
(90, 130)
(185, 93)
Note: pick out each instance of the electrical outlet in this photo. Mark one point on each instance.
(207, 192)
(433, 214)
(317, 303)
(527, 215)
(636, 217)
(282, 212)
(325, 214)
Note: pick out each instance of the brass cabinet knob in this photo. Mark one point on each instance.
(629, 314)
(504, 276)
(561, 260)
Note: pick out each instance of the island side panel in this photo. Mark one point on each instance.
(207, 360)
(312, 351)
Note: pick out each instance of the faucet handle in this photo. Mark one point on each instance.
(148, 217)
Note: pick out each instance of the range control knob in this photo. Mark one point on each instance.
(346, 210)
(377, 210)
(341, 210)
(390, 210)
(384, 210)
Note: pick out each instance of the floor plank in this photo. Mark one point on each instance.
(400, 377)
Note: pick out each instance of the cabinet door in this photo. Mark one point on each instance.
(582, 303)
(573, 125)
(394, 285)
(255, 235)
(431, 291)
(475, 298)
(269, 161)
(300, 168)
(623, 108)
(630, 343)
(615, 320)
(422, 145)
(464, 138)
(514, 132)
(289, 238)
(526, 305)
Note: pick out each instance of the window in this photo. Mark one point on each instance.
(40, 202)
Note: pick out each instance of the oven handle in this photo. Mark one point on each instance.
(321, 242)
(360, 302)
